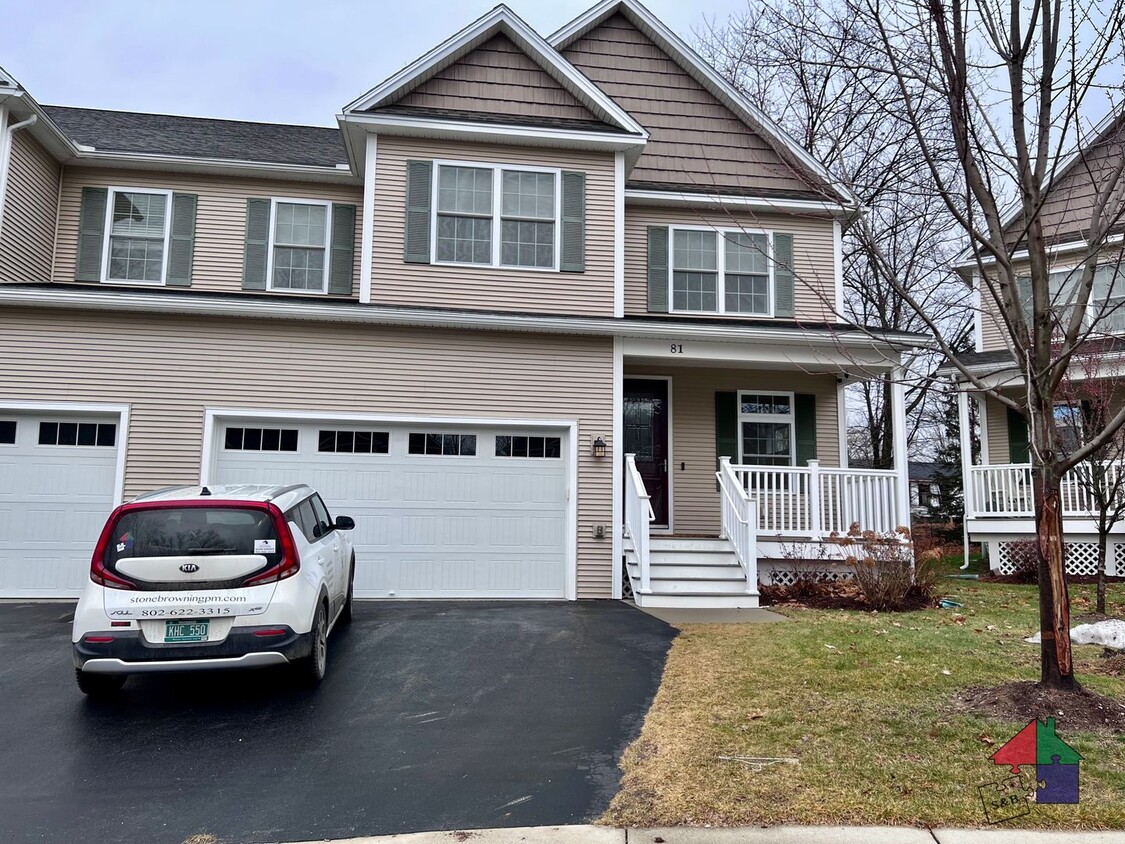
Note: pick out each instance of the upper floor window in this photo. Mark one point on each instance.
(1106, 308)
(299, 245)
(496, 216)
(137, 235)
(722, 271)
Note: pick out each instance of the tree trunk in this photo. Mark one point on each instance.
(1057, 667)
(1103, 552)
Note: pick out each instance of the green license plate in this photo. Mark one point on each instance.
(186, 631)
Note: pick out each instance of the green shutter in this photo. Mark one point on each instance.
(91, 234)
(783, 276)
(726, 426)
(573, 254)
(419, 183)
(804, 418)
(256, 253)
(181, 245)
(658, 269)
(343, 249)
(1018, 452)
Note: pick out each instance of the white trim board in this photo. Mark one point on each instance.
(616, 453)
(120, 410)
(208, 453)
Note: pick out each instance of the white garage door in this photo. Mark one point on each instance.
(57, 484)
(463, 512)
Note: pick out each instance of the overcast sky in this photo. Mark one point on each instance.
(273, 60)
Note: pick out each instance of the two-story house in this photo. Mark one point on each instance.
(510, 315)
(999, 503)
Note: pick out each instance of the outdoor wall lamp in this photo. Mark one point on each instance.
(599, 447)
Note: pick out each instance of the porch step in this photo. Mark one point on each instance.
(671, 543)
(698, 570)
(704, 600)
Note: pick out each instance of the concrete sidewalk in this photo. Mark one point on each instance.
(746, 835)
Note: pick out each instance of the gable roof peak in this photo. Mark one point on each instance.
(500, 20)
(702, 72)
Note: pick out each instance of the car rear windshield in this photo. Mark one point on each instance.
(193, 531)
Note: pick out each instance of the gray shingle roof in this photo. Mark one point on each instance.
(200, 137)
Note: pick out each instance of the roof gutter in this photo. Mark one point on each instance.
(278, 309)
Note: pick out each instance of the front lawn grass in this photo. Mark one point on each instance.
(863, 701)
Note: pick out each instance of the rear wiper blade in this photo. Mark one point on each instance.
(199, 552)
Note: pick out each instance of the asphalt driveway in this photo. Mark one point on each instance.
(432, 716)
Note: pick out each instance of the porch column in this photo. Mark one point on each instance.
(966, 436)
(898, 421)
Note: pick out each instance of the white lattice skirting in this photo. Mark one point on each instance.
(1081, 557)
(773, 573)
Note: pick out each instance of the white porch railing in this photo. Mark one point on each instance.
(740, 522)
(638, 516)
(1006, 490)
(815, 501)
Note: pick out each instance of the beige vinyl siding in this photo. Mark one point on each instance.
(28, 237)
(814, 282)
(996, 423)
(169, 370)
(220, 224)
(695, 140)
(695, 501)
(395, 282)
(497, 78)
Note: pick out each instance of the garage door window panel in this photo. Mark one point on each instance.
(528, 447)
(85, 434)
(7, 431)
(353, 442)
(261, 439)
(442, 444)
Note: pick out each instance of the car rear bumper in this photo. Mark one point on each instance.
(130, 653)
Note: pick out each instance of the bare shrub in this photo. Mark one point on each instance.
(884, 568)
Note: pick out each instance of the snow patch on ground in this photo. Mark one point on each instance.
(1109, 634)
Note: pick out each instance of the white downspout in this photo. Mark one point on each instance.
(6, 157)
(964, 422)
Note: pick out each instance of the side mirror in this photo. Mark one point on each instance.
(345, 523)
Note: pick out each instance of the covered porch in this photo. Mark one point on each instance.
(735, 464)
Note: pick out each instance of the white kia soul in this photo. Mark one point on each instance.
(196, 578)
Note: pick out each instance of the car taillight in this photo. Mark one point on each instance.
(289, 564)
(98, 572)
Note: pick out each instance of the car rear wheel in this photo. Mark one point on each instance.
(346, 612)
(99, 685)
(310, 669)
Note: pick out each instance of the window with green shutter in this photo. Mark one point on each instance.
(299, 246)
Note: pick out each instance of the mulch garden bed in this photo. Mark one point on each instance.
(1082, 711)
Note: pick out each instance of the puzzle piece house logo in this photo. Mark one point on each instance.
(1056, 762)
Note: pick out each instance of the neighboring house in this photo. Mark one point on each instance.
(999, 505)
(926, 491)
(515, 262)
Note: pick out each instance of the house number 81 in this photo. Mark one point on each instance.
(677, 348)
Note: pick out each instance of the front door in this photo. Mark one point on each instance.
(646, 436)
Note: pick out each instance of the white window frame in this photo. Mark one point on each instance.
(107, 235)
(720, 269)
(790, 420)
(1093, 306)
(286, 200)
(497, 215)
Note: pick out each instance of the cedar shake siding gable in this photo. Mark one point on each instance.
(695, 142)
(27, 240)
(497, 78)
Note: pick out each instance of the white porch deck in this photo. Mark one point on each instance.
(761, 508)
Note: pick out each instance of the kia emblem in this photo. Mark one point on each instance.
(188, 568)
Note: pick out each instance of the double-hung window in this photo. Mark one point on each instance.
(1106, 308)
(766, 429)
(299, 245)
(496, 216)
(137, 235)
(722, 271)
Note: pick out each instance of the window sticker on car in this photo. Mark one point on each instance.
(265, 546)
